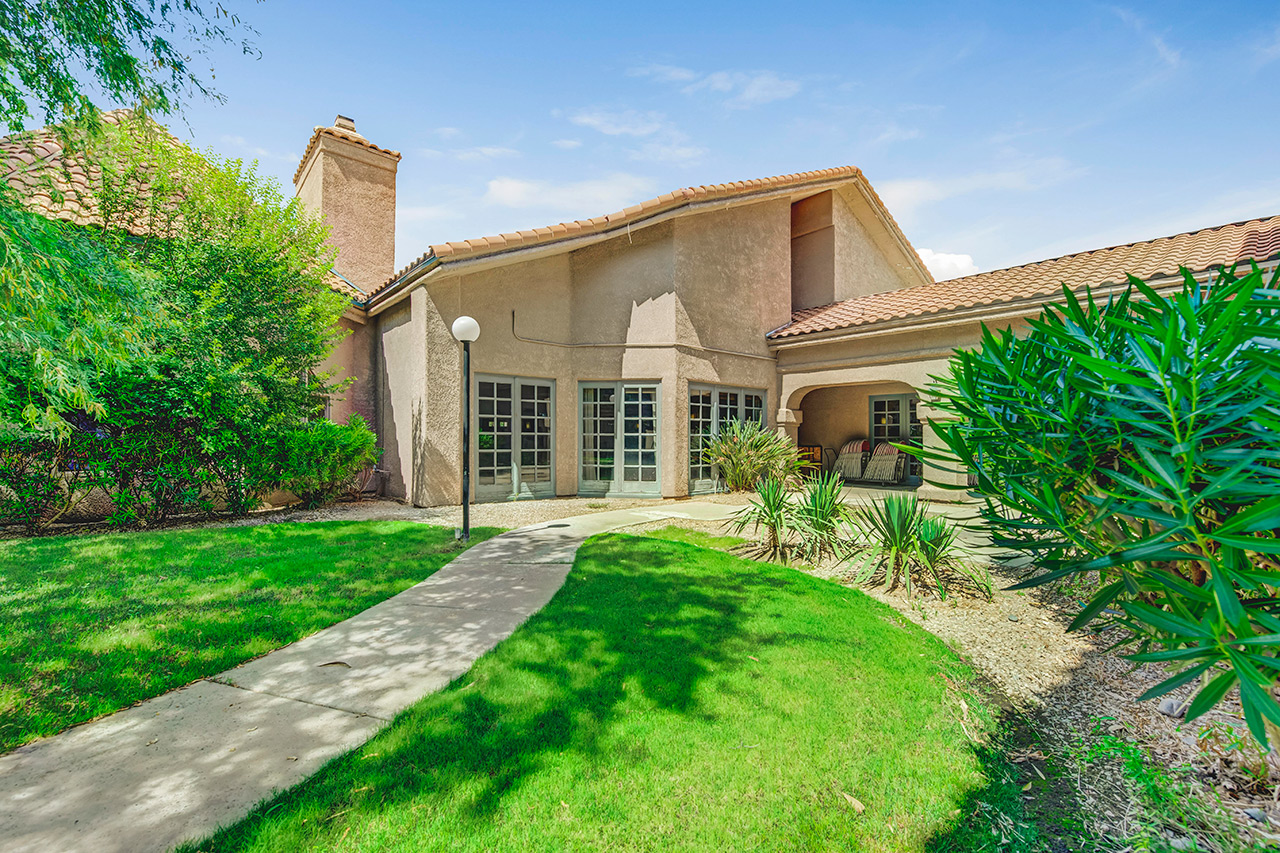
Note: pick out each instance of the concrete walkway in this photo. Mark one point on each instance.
(177, 767)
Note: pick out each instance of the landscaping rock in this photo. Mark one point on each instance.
(1256, 814)
(1171, 707)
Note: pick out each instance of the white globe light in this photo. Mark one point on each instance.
(466, 328)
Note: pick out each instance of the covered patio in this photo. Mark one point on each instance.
(852, 427)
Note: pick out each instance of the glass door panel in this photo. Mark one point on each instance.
(894, 419)
(702, 474)
(620, 442)
(599, 437)
(515, 425)
(639, 437)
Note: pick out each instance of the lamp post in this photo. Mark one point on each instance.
(466, 330)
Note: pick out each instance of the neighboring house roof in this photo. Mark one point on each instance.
(346, 133)
(59, 186)
(54, 185)
(481, 246)
(1198, 251)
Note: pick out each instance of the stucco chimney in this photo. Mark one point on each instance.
(352, 183)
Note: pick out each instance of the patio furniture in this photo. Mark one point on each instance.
(811, 453)
(852, 459)
(887, 465)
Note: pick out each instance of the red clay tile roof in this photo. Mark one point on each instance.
(1256, 239)
(58, 186)
(348, 134)
(583, 227)
(53, 185)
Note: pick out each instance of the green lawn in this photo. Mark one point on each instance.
(670, 697)
(92, 624)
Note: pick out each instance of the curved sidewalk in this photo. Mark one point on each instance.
(177, 767)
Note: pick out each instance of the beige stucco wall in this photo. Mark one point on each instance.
(355, 358)
(861, 266)
(641, 306)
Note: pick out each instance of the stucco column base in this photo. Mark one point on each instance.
(789, 421)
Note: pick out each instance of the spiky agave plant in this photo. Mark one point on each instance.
(889, 533)
(821, 517)
(771, 510)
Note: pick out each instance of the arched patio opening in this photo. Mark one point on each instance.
(879, 413)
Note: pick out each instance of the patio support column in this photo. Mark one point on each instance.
(789, 423)
(932, 472)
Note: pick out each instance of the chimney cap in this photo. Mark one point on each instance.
(344, 123)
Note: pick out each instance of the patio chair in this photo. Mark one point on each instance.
(887, 465)
(852, 459)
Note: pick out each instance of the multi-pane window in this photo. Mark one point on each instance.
(620, 440)
(893, 419)
(515, 423)
(599, 432)
(710, 408)
(640, 434)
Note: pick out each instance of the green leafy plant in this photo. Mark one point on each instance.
(821, 517)
(771, 510)
(898, 543)
(746, 452)
(1139, 439)
(321, 460)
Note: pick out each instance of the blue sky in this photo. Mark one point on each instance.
(1006, 132)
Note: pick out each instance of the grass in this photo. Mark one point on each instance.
(669, 697)
(92, 624)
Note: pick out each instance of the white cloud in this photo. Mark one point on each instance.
(257, 152)
(673, 151)
(945, 265)
(1170, 57)
(447, 132)
(743, 88)
(567, 144)
(895, 132)
(1267, 50)
(612, 192)
(746, 89)
(665, 73)
(484, 152)
(625, 123)
(904, 198)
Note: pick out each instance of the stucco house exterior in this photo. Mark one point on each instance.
(611, 346)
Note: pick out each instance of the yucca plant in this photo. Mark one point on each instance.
(1139, 438)
(771, 510)
(889, 534)
(746, 452)
(821, 517)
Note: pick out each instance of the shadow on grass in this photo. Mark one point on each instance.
(93, 624)
(650, 682)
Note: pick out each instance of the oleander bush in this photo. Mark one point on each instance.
(1137, 439)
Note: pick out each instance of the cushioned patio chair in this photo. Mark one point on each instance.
(887, 465)
(852, 459)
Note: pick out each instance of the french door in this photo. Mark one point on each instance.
(515, 437)
(893, 419)
(710, 408)
(620, 439)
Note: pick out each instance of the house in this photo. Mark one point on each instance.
(611, 347)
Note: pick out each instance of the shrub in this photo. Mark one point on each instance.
(820, 516)
(321, 460)
(900, 543)
(772, 510)
(1140, 440)
(746, 452)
